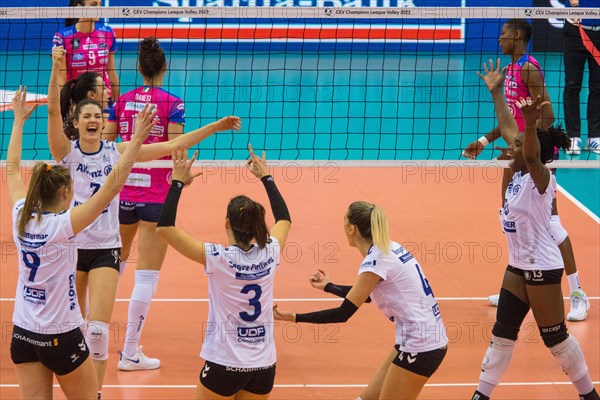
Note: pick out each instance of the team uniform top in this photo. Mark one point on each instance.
(239, 330)
(147, 185)
(46, 300)
(405, 297)
(89, 172)
(515, 88)
(525, 219)
(87, 51)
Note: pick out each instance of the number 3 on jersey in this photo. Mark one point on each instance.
(254, 302)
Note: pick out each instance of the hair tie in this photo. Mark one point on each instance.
(242, 208)
(371, 209)
(48, 167)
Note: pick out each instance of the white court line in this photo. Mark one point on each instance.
(320, 386)
(578, 204)
(299, 300)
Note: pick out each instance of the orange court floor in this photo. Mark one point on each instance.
(447, 217)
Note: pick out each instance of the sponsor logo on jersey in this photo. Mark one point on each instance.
(212, 249)
(135, 106)
(251, 267)
(78, 56)
(102, 45)
(34, 295)
(368, 264)
(78, 64)
(90, 46)
(75, 43)
(252, 277)
(92, 174)
(72, 293)
(509, 226)
(157, 130)
(255, 334)
(180, 106)
(436, 310)
(124, 127)
(406, 257)
(57, 41)
(102, 53)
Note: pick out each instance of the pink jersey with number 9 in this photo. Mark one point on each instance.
(87, 51)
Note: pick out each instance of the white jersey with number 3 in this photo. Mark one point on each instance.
(405, 297)
(525, 219)
(89, 172)
(239, 331)
(46, 300)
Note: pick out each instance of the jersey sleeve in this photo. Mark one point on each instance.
(214, 254)
(112, 114)
(177, 113)
(64, 227)
(113, 45)
(375, 264)
(58, 40)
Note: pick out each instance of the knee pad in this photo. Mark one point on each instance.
(553, 335)
(559, 234)
(570, 357)
(97, 339)
(510, 315)
(496, 360)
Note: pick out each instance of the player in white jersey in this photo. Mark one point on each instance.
(239, 346)
(533, 277)
(393, 279)
(90, 160)
(47, 339)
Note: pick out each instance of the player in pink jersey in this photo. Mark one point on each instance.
(90, 46)
(143, 196)
(524, 78)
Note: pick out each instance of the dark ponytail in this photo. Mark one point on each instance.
(72, 93)
(549, 139)
(74, 3)
(247, 221)
(44, 191)
(151, 58)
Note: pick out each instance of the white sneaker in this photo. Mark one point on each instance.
(579, 306)
(593, 145)
(139, 362)
(575, 147)
(493, 299)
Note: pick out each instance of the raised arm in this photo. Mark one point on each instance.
(57, 140)
(153, 151)
(532, 112)
(15, 183)
(283, 221)
(320, 280)
(82, 216)
(176, 237)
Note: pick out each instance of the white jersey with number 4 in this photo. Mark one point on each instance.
(239, 331)
(405, 297)
(46, 300)
(89, 172)
(525, 219)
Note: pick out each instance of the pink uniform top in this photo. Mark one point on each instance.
(514, 87)
(147, 185)
(87, 51)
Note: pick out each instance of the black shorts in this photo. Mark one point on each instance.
(89, 259)
(227, 381)
(131, 213)
(539, 277)
(425, 363)
(61, 353)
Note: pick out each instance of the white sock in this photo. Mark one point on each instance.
(146, 282)
(574, 281)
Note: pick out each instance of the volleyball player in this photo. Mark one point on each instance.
(47, 339)
(145, 192)
(238, 348)
(524, 77)
(393, 278)
(533, 277)
(90, 47)
(99, 246)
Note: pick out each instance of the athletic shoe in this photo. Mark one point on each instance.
(493, 299)
(575, 147)
(139, 362)
(593, 145)
(579, 306)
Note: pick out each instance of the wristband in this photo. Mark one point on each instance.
(483, 140)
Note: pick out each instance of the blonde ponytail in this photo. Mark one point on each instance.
(371, 223)
(379, 230)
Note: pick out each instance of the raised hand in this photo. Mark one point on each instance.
(59, 56)
(257, 165)
(319, 279)
(228, 123)
(144, 122)
(182, 167)
(494, 76)
(531, 109)
(20, 107)
(473, 150)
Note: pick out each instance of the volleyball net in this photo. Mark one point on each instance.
(372, 84)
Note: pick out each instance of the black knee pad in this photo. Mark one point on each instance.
(553, 335)
(510, 315)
